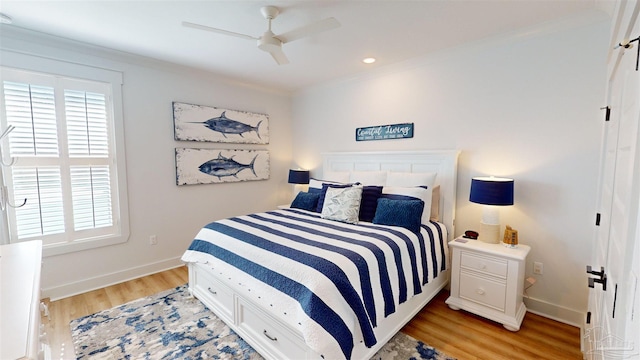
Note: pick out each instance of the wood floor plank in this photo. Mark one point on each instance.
(64, 310)
(457, 333)
(475, 337)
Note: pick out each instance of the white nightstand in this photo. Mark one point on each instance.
(488, 280)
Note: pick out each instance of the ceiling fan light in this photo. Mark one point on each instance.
(369, 60)
(268, 43)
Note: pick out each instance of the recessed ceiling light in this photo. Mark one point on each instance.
(5, 19)
(369, 60)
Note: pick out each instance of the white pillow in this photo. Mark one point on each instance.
(337, 176)
(342, 204)
(407, 179)
(378, 178)
(317, 184)
(416, 192)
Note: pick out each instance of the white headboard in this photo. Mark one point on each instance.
(443, 162)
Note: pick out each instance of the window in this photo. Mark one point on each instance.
(66, 161)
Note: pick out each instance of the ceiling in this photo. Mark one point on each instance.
(391, 31)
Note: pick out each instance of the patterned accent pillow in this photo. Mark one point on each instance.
(405, 213)
(305, 201)
(342, 204)
(323, 193)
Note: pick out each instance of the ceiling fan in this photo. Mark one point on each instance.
(270, 42)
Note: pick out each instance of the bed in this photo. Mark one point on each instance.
(299, 283)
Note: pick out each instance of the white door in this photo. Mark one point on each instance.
(612, 330)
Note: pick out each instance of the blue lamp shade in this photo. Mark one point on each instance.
(298, 176)
(491, 191)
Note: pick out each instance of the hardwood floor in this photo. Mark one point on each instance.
(466, 336)
(456, 333)
(64, 310)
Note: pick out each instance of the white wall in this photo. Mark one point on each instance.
(524, 106)
(156, 205)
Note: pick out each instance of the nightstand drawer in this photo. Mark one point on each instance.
(485, 264)
(487, 292)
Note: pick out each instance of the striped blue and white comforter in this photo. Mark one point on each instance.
(339, 280)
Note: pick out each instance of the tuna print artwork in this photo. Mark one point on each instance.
(207, 123)
(206, 166)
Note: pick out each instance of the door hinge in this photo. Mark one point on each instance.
(589, 317)
(627, 44)
(602, 277)
(607, 114)
(598, 219)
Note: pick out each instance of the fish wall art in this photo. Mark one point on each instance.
(207, 166)
(207, 123)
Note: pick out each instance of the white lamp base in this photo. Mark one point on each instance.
(489, 233)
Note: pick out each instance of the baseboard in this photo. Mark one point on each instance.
(99, 282)
(554, 312)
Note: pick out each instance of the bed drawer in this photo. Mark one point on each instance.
(484, 291)
(214, 294)
(485, 264)
(273, 338)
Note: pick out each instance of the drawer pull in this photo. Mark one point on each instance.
(268, 336)
(480, 291)
(212, 291)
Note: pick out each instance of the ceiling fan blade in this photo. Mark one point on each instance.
(219, 31)
(307, 30)
(279, 56)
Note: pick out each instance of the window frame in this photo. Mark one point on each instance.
(12, 61)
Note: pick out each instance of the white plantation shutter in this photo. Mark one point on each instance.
(91, 197)
(86, 124)
(31, 109)
(43, 213)
(66, 165)
(88, 137)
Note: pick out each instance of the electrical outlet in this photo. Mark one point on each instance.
(153, 240)
(537, 268)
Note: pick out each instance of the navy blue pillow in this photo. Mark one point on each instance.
(323, 193)
(369, 202)
(405, 213)
(398, 197)
(305, 201)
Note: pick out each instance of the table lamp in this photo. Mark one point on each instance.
(491, 192)
(298, 176)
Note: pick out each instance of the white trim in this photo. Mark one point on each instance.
(41, 43)
(45, 65)
(102, 281)
(554, 312)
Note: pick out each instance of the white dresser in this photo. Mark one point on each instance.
(21, 336)
(488, 280)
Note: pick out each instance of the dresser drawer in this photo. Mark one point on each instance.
(484, 264)
(484, 291)
(214, 294)
(273, 337)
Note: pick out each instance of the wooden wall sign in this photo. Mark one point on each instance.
(384, 132)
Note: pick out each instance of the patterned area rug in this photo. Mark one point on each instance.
(172, 325)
